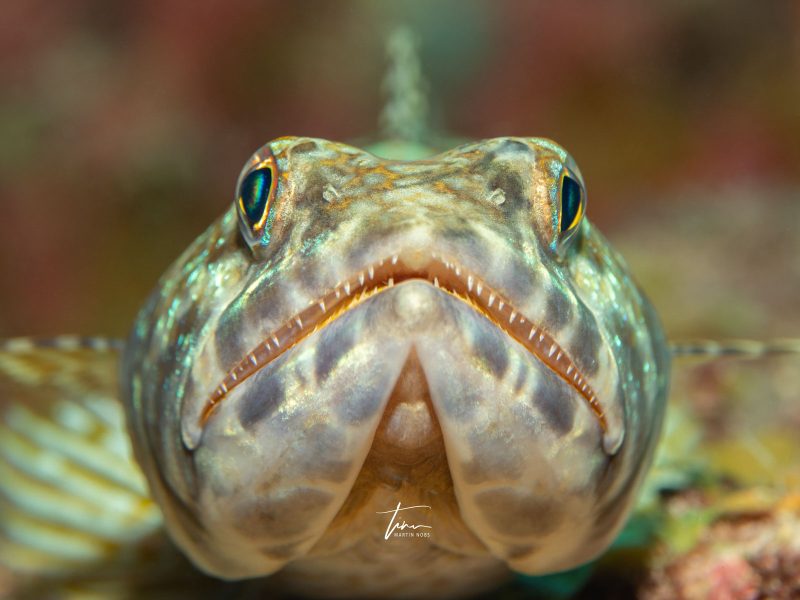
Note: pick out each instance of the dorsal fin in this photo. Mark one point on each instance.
(404, 120)
(405, 114)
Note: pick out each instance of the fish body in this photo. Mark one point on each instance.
(357, 336)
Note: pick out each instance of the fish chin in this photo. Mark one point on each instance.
(280, 456)
(524, 450)
(411, 393)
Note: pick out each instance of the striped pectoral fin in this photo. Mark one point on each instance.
(71, 494)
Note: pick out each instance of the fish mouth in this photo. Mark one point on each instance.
(444, 274)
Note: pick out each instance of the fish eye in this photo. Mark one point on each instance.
(572, 200)
(255, 196)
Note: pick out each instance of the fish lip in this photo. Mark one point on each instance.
(449, 277)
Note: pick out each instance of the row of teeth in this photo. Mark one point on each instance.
(273, 345)
(345, 294)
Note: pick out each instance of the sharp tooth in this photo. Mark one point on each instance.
(479, 289)
(569, 369)
(470, 281)
(277, 343)
(253, 360)
(371, 273)
(541, 338)
(436, 281)
(338, 293)
(322, 305)
(224, 387)
(552, 350)
(521, 320)
(234, 376)
(394, 259)
(361, 279)
(391, 281)
(532, 333)
(299, 322)
(458, 271)
(500, 305)
(491, 300)
(558, 356)
(583, 387)
(347, 287)
(512, 316)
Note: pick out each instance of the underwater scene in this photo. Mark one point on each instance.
(400, 300)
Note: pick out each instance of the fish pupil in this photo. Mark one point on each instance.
(571, 194)
(254, 193)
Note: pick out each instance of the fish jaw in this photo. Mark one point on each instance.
(279, 459)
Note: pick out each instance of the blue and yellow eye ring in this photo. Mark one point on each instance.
(256, 193)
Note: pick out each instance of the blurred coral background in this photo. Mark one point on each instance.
(123, 126)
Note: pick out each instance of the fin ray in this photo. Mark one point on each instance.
(51, 436)
(734, 348)
(71, 495)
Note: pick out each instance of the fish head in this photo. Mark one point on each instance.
(458, 310)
